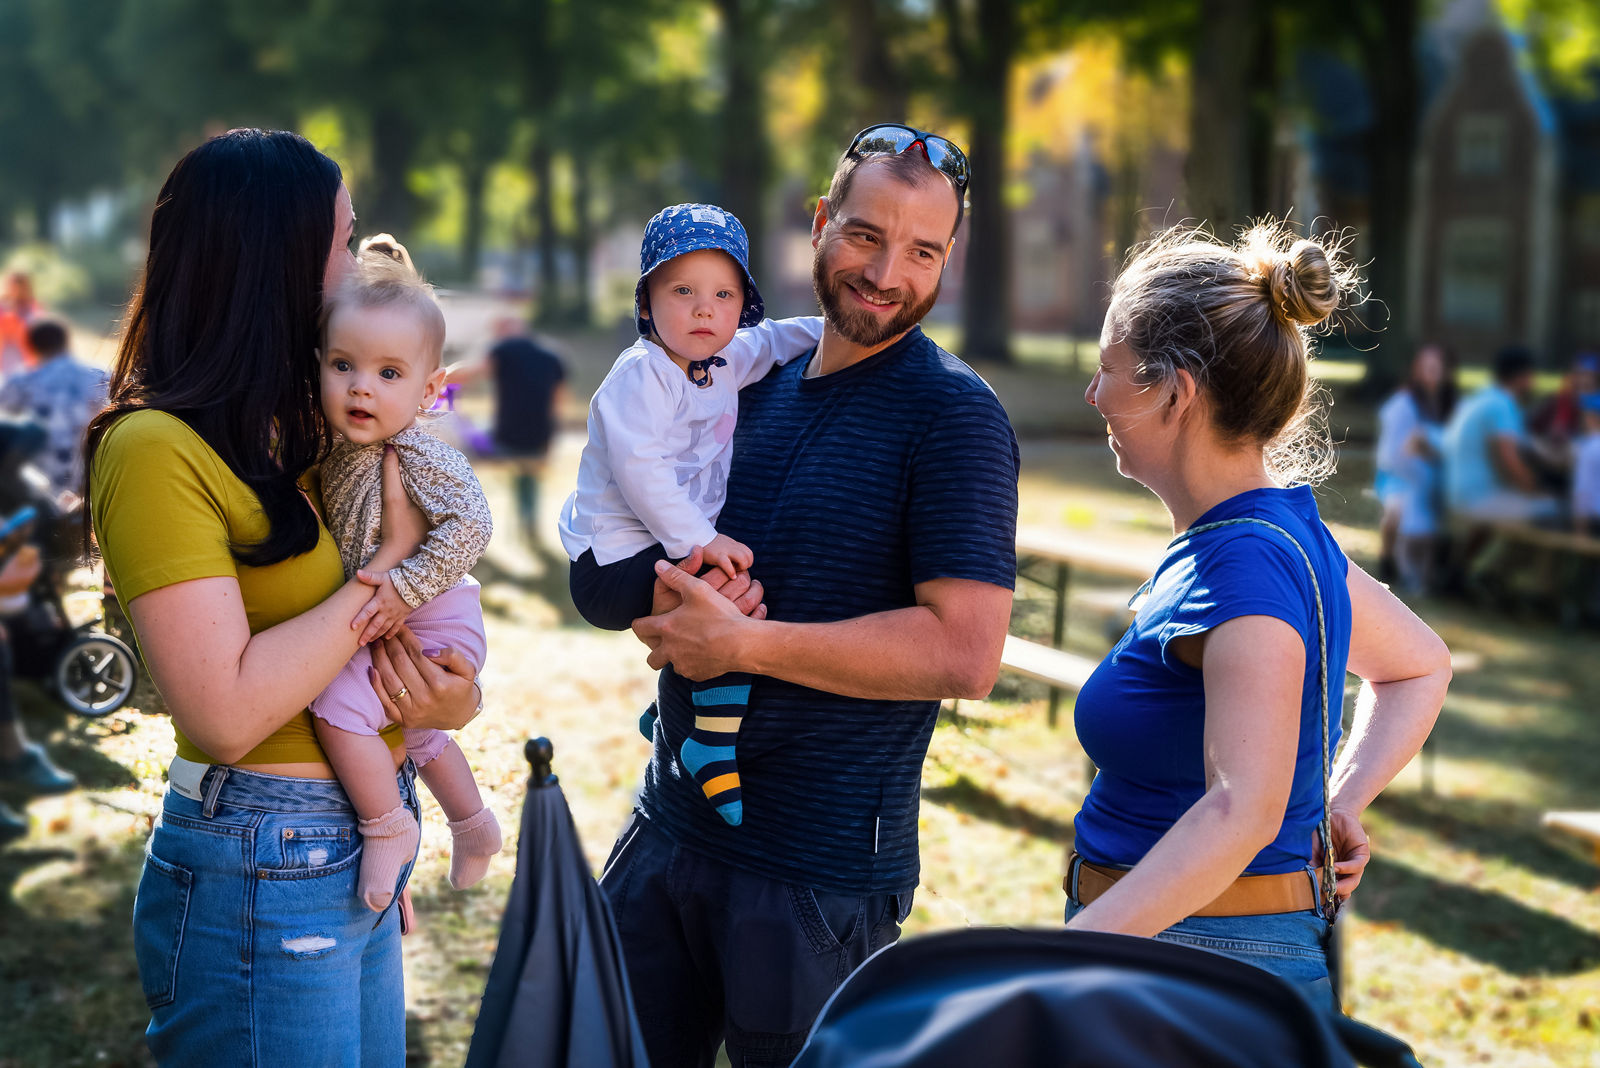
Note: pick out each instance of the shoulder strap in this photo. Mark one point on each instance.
(1330, 899)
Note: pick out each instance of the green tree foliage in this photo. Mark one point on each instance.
(58, 137)
(1564, 37)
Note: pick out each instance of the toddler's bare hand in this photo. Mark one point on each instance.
(383, 613)
(732, 556)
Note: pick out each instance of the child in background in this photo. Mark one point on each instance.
(654, 474)
(383, 339)
(1586, 468)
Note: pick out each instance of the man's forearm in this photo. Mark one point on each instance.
(904, 654)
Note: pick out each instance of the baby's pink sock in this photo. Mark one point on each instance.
(472, 842)
(388, 842)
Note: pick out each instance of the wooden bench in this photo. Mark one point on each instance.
(1585, 825)
(1560, 556)
(1057, 667)
(1049, 557)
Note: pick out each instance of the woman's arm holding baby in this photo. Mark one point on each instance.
(440, 480)
(229, 689)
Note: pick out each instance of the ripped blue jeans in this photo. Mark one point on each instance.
(253, 948)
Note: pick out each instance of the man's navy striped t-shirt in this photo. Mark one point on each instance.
(850, 488)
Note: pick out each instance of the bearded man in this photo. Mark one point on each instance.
(876, 483)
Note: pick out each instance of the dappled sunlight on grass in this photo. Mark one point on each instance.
(1476, 936)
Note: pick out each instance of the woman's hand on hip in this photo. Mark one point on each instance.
(432, 688)
(1351, 850)
(404, 526)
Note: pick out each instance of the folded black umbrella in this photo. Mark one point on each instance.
(1078, 999)
(557, 993)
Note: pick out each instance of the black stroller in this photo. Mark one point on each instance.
(92, 672)
(1078, 999)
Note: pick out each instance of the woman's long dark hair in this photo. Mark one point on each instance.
(1437, 406)
(222, 331)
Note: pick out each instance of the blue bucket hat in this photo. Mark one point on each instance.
(685, 228)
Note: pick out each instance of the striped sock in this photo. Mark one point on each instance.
(708, 753)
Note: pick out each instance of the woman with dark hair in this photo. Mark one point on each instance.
(1215, 717)
(1409, 463)
(251, 942)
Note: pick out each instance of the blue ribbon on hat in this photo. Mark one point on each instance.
(700, 370)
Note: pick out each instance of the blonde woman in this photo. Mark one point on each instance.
(1214, 718)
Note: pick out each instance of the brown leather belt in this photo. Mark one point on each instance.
(1248, 895)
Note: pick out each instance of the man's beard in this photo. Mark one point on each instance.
(856, 324)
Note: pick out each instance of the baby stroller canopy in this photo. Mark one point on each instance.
(1077, 999)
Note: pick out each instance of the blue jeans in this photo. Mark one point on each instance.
(717, 954)
(253, 948)
(1292, 945)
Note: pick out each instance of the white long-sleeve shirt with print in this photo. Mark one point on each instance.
(656, 465)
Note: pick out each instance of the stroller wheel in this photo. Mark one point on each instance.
(94, 674)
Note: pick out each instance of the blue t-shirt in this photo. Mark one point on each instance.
(1469, 471)
(1141, 716)
(850, 489)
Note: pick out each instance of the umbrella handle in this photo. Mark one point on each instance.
(540, 752)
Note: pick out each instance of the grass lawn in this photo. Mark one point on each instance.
(1476, 936)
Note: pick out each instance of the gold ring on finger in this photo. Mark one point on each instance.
(401, 692)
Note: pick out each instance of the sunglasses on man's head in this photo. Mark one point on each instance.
(893, 138)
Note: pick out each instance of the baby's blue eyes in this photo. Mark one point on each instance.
(685, 291)
(344, 367)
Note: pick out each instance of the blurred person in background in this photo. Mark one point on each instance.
(1586, 497)
(62, 394)
(529, 383)
(1558, 422)
(25, 768)
(1586, 468)
(1409, 459)
(1487, 471)
(1488, 478)
(18, 310)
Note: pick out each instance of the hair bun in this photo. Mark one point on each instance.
(1302, 284)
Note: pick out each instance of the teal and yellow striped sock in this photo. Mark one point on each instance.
(709, 752)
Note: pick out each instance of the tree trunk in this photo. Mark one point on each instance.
(474, 178)
(548, 241)
(880, 94)
(1216, 172)
(388, 204)
(745, 152)
(582, 235)
(986, 292)
(542, 86)
(44, 219)
(1390, 59)
(1262, 93)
